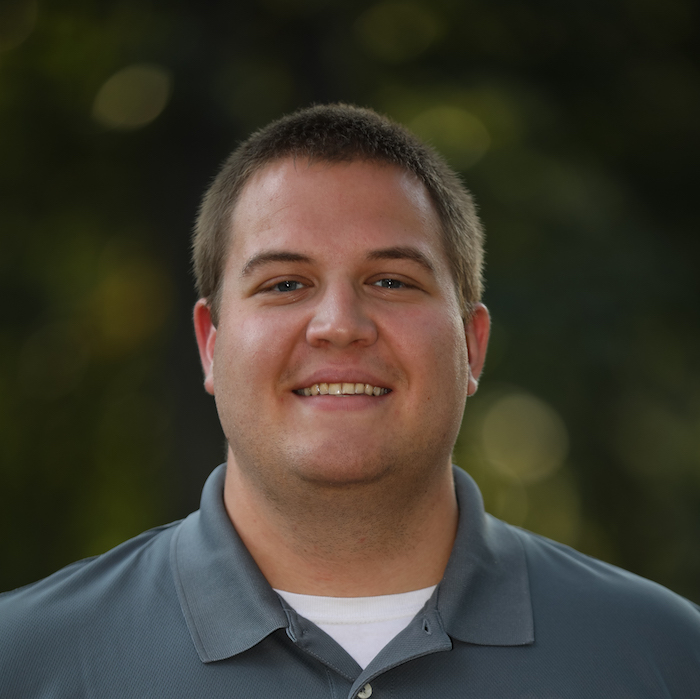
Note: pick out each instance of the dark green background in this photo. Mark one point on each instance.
(575, 124)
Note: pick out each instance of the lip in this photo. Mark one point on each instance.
(320, 405)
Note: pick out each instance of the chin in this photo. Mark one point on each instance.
(343, 470)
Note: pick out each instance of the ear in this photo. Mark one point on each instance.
(476, 330)
(205, 331)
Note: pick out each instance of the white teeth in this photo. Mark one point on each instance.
(342, 389)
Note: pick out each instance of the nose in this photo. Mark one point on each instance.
(340, 319)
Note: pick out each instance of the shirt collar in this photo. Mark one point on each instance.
(229, 606)
(227, 602)
(484, 596)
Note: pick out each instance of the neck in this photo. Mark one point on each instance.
(356, 540)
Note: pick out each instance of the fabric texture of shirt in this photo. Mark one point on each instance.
(183, 611)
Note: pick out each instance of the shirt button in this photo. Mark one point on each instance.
(365, 692)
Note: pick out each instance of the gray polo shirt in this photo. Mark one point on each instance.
(183, 611)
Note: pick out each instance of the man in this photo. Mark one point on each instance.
(338, 553)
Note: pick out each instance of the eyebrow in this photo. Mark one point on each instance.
(393, 253)
(265, 258)
(402, 253)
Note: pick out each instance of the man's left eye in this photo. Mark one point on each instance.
(287, 285)
(389, 284)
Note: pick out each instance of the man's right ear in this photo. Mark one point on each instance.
(205, 330)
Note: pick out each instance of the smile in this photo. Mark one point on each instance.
(342, 389)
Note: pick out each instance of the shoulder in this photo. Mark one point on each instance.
(569, 587)
(51, 623)
(596, 622)
(93, 576)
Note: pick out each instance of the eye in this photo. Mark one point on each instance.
(287, 285)
(390, 284)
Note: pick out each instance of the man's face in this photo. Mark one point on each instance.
(336, 279)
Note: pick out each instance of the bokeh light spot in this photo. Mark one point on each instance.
(132, 97)
(395, 32)
(524, 437)
(455, 132)
(17, 20)
(129, 305)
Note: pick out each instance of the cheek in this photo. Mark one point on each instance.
(254, 348)
(434, 346)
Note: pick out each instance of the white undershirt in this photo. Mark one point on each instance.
(361, 625)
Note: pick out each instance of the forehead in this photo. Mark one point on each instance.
(292, 203)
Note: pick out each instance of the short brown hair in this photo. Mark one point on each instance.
(335, 133)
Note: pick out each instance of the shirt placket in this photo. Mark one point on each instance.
(423, 636)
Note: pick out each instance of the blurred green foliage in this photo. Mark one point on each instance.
(576, 125)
